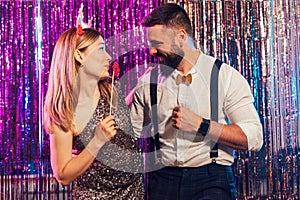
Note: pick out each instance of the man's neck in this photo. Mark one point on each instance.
(188, 61)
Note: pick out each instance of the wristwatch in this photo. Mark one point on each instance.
(204, 127)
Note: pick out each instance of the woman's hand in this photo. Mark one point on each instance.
(105, 130)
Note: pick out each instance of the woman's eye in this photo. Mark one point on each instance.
(102, 47)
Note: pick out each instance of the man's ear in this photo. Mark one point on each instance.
(78, 56)
(182, 36)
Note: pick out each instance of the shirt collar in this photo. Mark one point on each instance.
(192, 71)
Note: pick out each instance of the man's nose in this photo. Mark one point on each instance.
(153, 51)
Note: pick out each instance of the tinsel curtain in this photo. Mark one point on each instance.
(258, 38)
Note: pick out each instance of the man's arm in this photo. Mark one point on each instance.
(232, 135)
(139, 113)
(245, 130)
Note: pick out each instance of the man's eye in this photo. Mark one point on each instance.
(154, 45)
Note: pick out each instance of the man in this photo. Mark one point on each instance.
(191, 167)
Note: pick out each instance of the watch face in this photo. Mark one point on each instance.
(204, 127)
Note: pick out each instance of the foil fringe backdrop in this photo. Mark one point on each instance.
(258, 38)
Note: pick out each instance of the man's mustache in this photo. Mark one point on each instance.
(159, 54)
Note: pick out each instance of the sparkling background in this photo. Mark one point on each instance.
(259, 38)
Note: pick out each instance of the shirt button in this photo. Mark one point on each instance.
(179, 163)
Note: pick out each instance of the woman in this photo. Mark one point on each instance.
(108, 163)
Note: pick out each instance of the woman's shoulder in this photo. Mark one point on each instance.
(58, 134)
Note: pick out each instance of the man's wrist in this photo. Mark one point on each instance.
(204, 127)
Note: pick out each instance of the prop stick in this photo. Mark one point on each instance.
(116, 71)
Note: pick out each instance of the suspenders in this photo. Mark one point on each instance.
(214, 88)
(154, 145)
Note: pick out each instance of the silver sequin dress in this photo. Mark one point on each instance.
(116, 173)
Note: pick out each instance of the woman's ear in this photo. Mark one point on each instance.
(78, 56)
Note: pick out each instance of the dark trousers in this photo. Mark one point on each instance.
(209, 182)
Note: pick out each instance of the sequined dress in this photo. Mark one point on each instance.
(116, 173)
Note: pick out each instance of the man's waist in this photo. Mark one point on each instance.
(196, 170)
(193, 163)
(195, 160)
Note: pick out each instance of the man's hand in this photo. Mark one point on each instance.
(185, 119)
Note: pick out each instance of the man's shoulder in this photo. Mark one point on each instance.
(145, 78)
(144, 81)
(209, 61)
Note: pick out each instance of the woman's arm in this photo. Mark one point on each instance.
(67, 168)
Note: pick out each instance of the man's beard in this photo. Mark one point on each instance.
(172, 59)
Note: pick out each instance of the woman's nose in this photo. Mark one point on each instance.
(108, 57)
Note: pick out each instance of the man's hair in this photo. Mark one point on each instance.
(170, 15)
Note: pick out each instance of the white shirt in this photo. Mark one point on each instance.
(185, 149)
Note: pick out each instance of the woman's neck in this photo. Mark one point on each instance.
(86, 87)
(87, 94)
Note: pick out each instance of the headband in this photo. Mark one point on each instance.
(79, 22)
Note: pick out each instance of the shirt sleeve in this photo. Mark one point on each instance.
(241, 111)
(139, 112)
